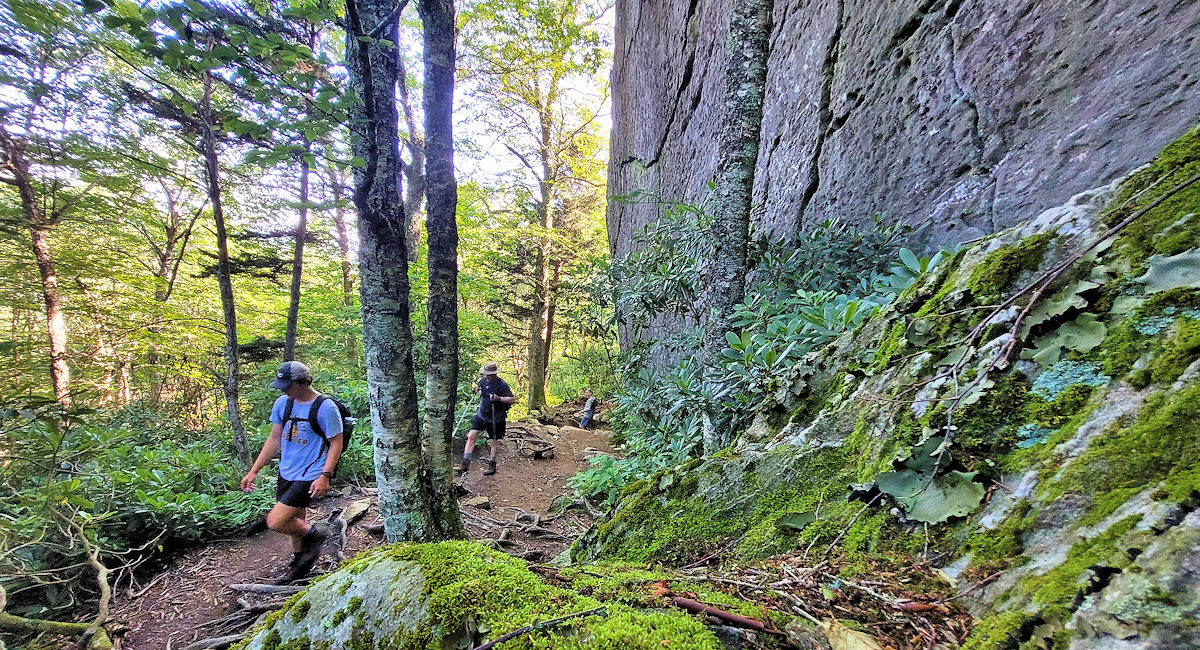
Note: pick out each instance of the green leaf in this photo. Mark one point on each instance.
(795, 521)
(910, 260)
(733, 339)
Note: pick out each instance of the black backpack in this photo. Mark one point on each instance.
(347, 422)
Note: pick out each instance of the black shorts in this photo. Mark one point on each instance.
(495, 430)
(293, 493)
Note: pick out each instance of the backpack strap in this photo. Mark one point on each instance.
(312, 416)
(287, 413)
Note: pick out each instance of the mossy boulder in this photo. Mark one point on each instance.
(460, 595)
(1078, 415)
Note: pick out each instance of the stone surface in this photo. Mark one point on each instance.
(1089, 539)
(389, 599)
(479, 502)
(971, 114)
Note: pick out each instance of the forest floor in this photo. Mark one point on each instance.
(190, 598)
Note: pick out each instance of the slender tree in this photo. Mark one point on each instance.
(405, 493)
(212, 171)
(746, 52)
(441, 379)
(42, 57)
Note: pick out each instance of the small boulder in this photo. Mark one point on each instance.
(481, 502)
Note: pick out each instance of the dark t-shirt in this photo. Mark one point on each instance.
(488, 410)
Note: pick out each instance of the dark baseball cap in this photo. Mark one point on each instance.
(288, 372)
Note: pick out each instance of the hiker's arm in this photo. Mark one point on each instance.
(321, 485)
(269, 449)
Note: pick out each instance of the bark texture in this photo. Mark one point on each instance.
(405, 491)
(441, 379)
(17, 166)
(543, 296)
(746, 50)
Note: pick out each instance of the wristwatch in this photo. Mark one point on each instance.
(328, 475)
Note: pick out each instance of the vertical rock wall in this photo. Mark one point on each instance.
(971, 114)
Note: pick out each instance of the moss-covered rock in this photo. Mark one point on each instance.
(459, 595)
(1090, 451)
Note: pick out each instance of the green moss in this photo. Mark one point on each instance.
(992, 547)
(996, 632)
(1004, 265)
(1057, 412)
(1043, 455)
(1182, 298)
(1163, 445)
(1052, 594)
(467, 585)
(1177, 353)
(989, 425)
(300, 611)
(892, 343)
(1162, 230)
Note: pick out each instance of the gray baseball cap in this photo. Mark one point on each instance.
(289, 372)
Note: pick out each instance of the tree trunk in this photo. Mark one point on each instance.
(414, 172)
(552, 307)
(441, 378)
(539, 325)
(289, 340)
(60, 373)
(746, 51)
(39, 224)
(224, 280)
(405, 491)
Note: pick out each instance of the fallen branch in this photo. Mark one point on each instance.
(268, 589)
(599, 611)
(22, 625)
(215, 643)
(697, 607)
(95, 636)
(977, 585)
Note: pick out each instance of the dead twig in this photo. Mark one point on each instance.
(697, 607)
(599, 611)
(268, 589)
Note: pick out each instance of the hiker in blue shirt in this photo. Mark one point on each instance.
(307, 460)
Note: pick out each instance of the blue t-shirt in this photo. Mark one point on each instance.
(302, 451)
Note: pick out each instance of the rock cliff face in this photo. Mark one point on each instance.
(972, 114)
(1027, 419)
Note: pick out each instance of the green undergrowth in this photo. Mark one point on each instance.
(468, 586)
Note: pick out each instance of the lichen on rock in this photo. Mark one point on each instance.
(1096, 432)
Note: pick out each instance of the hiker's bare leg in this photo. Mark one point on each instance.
(296, 540)
(288, 521)
(472, 436)
(493, 449)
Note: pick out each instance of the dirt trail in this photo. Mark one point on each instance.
(171, 608)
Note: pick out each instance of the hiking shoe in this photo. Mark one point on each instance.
(491, 468)
(462, 468)
(310, 550)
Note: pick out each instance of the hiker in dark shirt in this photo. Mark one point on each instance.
(494, 399)
(589, 409)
